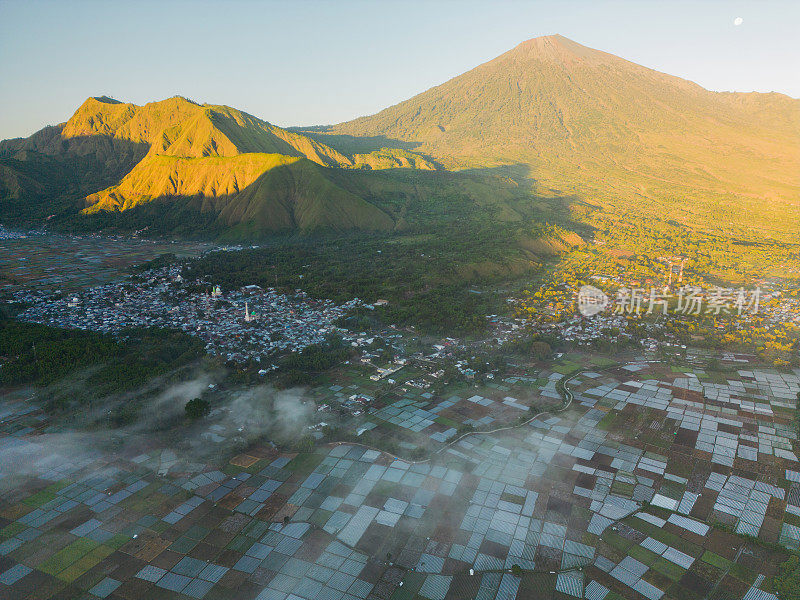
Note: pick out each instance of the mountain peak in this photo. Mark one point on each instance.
(553, 38)
(585, 120)
(106, 100)
(556, 46)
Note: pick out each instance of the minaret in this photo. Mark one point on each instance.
(247, 316)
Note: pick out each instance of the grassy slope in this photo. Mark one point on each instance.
(176, 151)
(612, 132)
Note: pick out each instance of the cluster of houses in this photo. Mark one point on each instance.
(240, 325)
(10, 234)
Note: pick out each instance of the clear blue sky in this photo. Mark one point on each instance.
(302, 62)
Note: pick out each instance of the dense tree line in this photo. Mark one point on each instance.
(39, 354)
(299, 368)
(426, 280)
(33, 353)
(786, 583)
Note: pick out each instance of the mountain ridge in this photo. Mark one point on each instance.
(126, 155)
(550, 117)
(587, 122)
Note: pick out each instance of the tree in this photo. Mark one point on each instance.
(304, 444)
(786, 583)
(541, 350)
(797, 414)
(197, 408)
(465, 428)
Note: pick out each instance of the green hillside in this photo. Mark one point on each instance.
(250, 176)
(549, 133)
(615, 134)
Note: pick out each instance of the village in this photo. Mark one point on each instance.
(243, 325)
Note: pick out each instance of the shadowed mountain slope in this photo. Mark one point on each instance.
(117, 156)
(612, 131)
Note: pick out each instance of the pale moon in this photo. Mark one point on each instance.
(738, 21)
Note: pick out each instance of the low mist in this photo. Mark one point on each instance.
(156, 421)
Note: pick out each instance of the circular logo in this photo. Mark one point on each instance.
(591, 300)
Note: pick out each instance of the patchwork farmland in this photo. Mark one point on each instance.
(654, 483)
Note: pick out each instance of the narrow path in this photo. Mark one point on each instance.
(561, 388)
(565, 392)
(725, 574)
